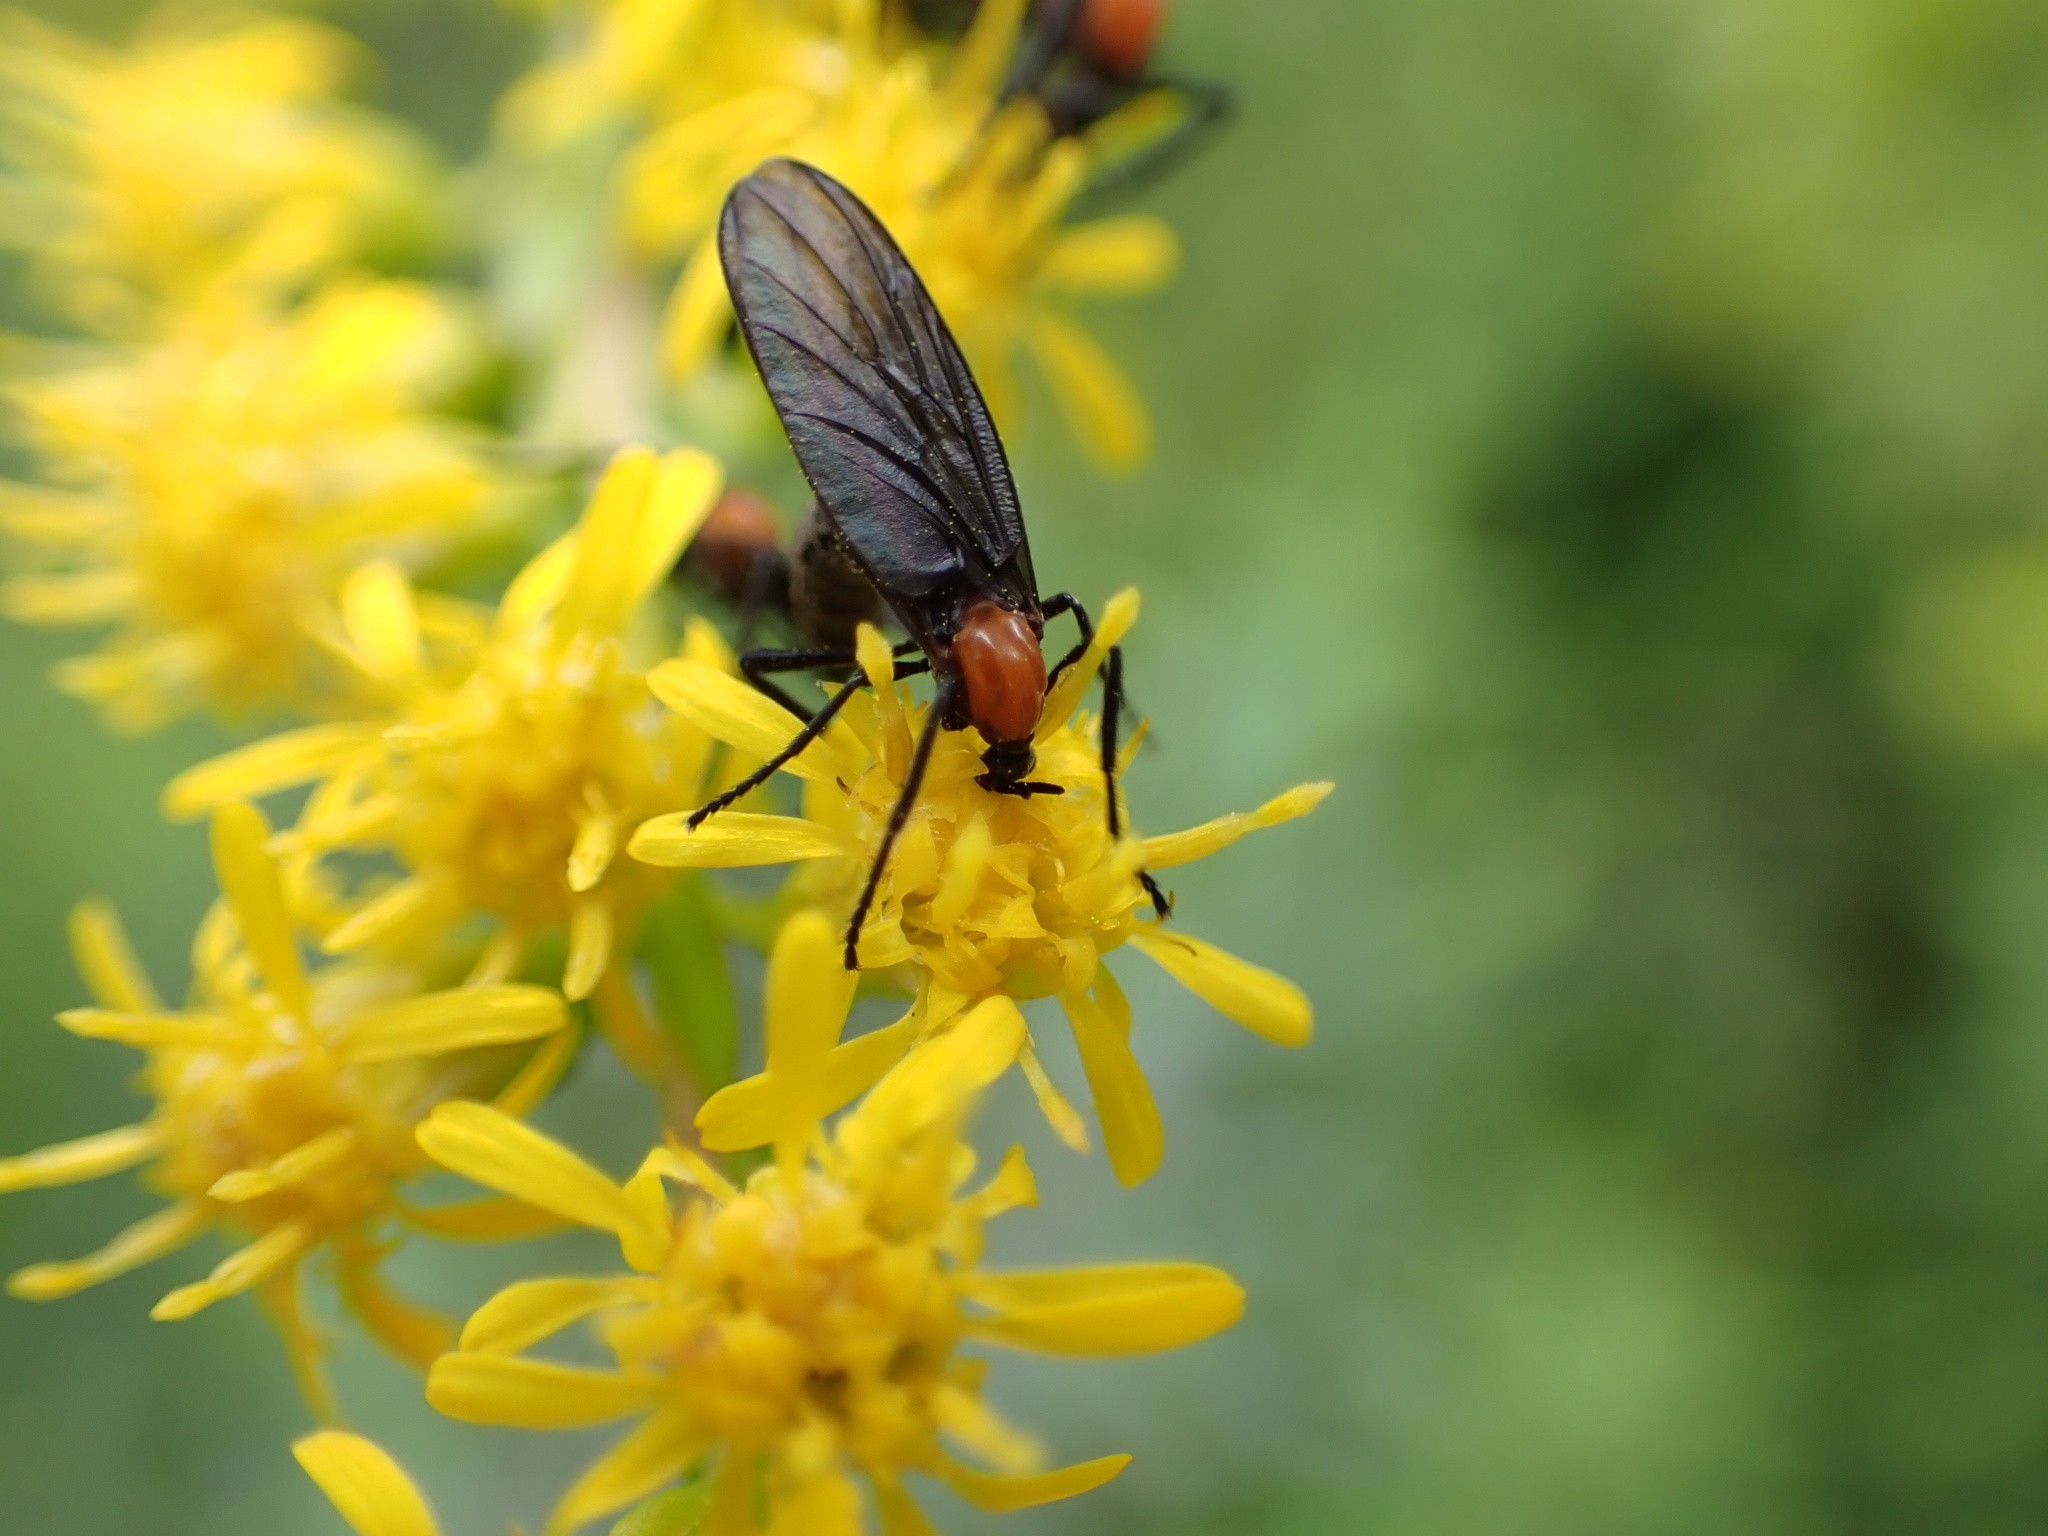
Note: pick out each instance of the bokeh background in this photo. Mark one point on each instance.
(1610, 438)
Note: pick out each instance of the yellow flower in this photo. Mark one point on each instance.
(975, 191)
(208, 157)
(285, 1103)
(805, 1330)
(213, 489)
(369, 1489)
(507, 787)
(987, 893)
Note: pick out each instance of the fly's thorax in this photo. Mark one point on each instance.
(996, 655)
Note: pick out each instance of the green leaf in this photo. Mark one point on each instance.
(677, 1512)
(684, 952)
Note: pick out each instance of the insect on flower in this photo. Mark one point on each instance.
(1087, 61)
(914, 497)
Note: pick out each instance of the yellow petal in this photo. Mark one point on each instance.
(734, 840)
(459, 1020)
(149, 1239)
(807, 996)
(731, 710)
(264, 767)
(250, 881)
(528, 1311)
(407, 904)
(1213, 836)
(1111, 1309)
(1131, 1129)
(415, 1334)
(493, 1220)
(940, 1075)
(899, 1512)
(1261, 1001)
(597, 842)
(500, 1153)
(248, 1266)
(685, 488)
(1061, 1115)
(533, 1082)
(1013, 1186)
(650, 1456)
(590, 946)
(100, 948)
(733, 1497)
(824, 1504)
(146, 1031)
(697, 311)
(538, 587)
(364, 1485)
(983, 56)
(89, 597)
(1098, 400)
(74, 1162)
(382, 623)
(304, 1347)
(761, 1109)
(1002, 1495)
(1118, 615)
(534, 1394)
(317, 1155)
(605, 537)
(1134, 253)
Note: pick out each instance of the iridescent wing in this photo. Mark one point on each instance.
(885, 418)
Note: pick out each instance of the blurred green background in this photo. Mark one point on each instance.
(1611, 439)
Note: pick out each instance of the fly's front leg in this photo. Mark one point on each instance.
(899, 814)
(1066, 602)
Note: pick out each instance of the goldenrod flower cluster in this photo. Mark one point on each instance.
(483, 755)
(976, 187)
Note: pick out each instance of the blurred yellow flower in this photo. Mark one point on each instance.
(804, 1330)
(975, 191)
(367, 1488)
(210, 492)
(285, 1102)
(210, 155)
(506, 785)
(986, 893)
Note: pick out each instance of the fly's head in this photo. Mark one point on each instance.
(1002, 672)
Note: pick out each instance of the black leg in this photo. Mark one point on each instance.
(899, 814)
(756, 666)
(1066, 602)
(1112, 708)
(813, 728)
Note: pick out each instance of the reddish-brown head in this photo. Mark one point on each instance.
(1003, 671)
(738, 533)
(1119, 35)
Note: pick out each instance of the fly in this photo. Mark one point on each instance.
(914, 503)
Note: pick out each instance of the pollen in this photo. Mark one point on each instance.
(284, 1102)
(987, 894)
(805, 1330)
